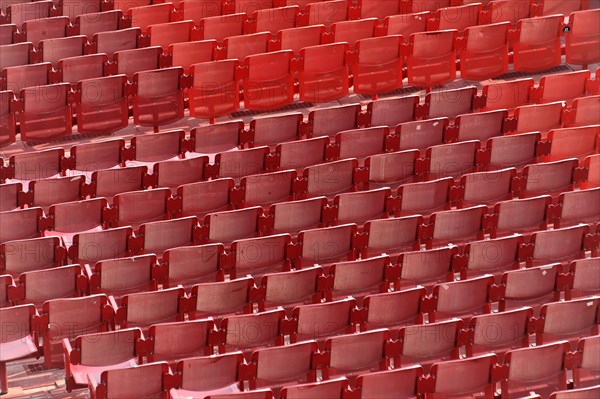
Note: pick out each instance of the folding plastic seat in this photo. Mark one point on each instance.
(421, 134)
(582, 393)
(103, 96)
(537, 47)
(42, 164)
(249, 331)
(450, 103)
(584, 111)
(499, 332)
(15, 54)
(37, 286)
(125, 5)
(119, 277)
(477, 126)
(506, 11)
(405, 24)
(197, 10)
(567, 320)
(89, 24)
(456, 226)
(322, 320)
(402, 381)
(293, 216)
(359, 278)
(274, 129)
(48, 192)
(68, 318)
(464, 298)
(582, 279)
(257, 256)
(391, 169)
(89, 355)
(179, 340)
(432, 60)
(323, 75)
(127, 211)
(362, 206)
(529, 287)
(7, 119)
(148, 149)
(247, 6)
(508, 95)
(215, 89)
(186, 54)
(424, 198)
(326, 245)
(375, 9)
(425, 5)
(292, 288)
(143, 309)
(45, 120)
(147, 380)
(576, 142)
(274, 367)
(6, 281)
(330, 178)
(91, 247)
(221, 27)
(550, 7)
(241, 46)
(519, 216)
(486, 187)
(110, 42)
(271, 19)
(331, 120)
(493, 256)
(361, 143)
(352, 31)
(484, 51)
(390, 111)
(296, 39)
(144, 16)
(391, 236)
(445, 377)
(325, 13)
(36, 30)
(228, 226)
(302, 153)
(204, 197)
(128, 62)
(451, 160)
(208, 375)
(218, 299)
(586, 373)
(238, 164)
(9, 196)
(426, 267)
(581, 41)
(18, 339)
(425, 344)
(74, 69)
(188, 265)
(6, 33)
(87, 158)
(269, 83)
(509, 151)
(172, 174)
(563, 86)
(54, 50)
(549, 376)
(458, 17)
(166, 34)
(216, 138)
(378, 67)
(592, 164)
(18, 13)
(70, 218)
(548, 178)
(559, 245)
(20, 77)
(162, 235)
(20, 224)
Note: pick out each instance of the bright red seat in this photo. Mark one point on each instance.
(215, 89)
(179, 340)
(431, 60)
(271, 19)
(118, 277)
(89, 24)
(296, 39)
(323, 75)
(45, 120)
(146, 380)
(7, 119)
(102, 96)
(378, 66)
(538, 45)
(146, 15)
(186, 54)
(447, 378)
(484, 51)
(109, 42)
(269, 83)
(582, 42)
(74, 69)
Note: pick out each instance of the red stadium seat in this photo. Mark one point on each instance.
(54, 50)
(302, 153)
(361, 143)
(36, 165)
(219, 299)
(7, 119)
(146, 150)
(257, 256)
(86, 158)
(484, 51)
(266, 328)
(424, 198)
(128, 62)
(507, 11)
(550, 7)
(9, 196)
(74, 69)
(20, 12)
(45, 120)
(480, 260)
(145, 308)
(72, 8)
(238, 164)
(266, 188)
(272, 19)
(520, 215)
(179, 340)
(197, 10)
(221, 27)
(146, 380)
(403, 107)
(89, 24)
(391, 169)
(33, 288)
(332, 388)
(376, 9)
(89, 356)
(241, 46)
(360, 277)
(294, 216)
(563, 86)
(274, 129)
(18, 341)
(326, 13)
(118, 277)
(296, 39)
(486, 187)
(323, 75)
(584, 278)
(68, 318)
(15, 54)
(510, 151)
(331, 120)
(127, 211)
(582, 42)
(323, 320)
(186, 54)
(458, 17)
(574, 142)
(110, 42)
(586, 373)
(426, 268)
(406, 309)
(446, 377)
(352, 31)
(567, 320)
(158, 99)
(326, 245)
(400, 380)
(451, 159)
(204, 197)
(91, 247)
(6, 33)
(162, 235)
(304, 288)
(510, 332)
(391, 236)
(5, 282)
(457, 226)
(405, 24)
(593, 179)
(269, 83)
(538, 45)
(48, 192)
(431, 60)
(378, 66)
(330, 178)
(547, 377)
(477, 126)
(36, 30)
(529, 287)
(362, 206)
(582, 393)
(464, 298)
(144, 16)
(208, 375)
(21, 77)
(110, 182)
(20, 224)
(215, 89)
(188, 265)
(106, 95)
(549, 177)
(508, 95)
(584, 111)
(547, 248)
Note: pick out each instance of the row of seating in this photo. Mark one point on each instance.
(86, 355)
